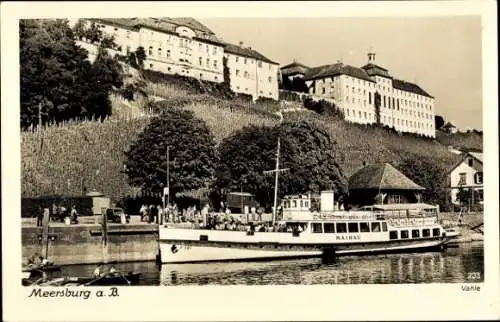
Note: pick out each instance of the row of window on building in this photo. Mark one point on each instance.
(247, 91)
(184, 43)
(389, 102)
(251, 61)
(246, 74)
(389, 88)
(403, 110)
(370, 117)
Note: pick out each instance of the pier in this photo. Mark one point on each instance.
(90, 242)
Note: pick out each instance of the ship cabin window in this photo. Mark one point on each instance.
(415, 233)
(364, 227)
(426, 232)
(404, 234)
(384, 226)
(294, 203)
(375, 227)
(306, 204)
(301, 204)
(353, 227)
(435, 232)
(317, 228)
(329, 227)
(393, 234)
(341, 228)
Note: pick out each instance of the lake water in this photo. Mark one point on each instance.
(454, 265)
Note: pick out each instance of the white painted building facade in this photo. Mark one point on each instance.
(251, 73)
(403, 105)
(467, 175)
(185, 47)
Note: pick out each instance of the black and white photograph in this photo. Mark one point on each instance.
(174, 148)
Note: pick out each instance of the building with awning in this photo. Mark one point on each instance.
(382, 184)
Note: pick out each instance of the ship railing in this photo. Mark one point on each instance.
(404, 222)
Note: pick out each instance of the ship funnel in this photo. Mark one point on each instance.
(327, 201)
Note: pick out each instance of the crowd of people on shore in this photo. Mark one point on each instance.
(57, 213)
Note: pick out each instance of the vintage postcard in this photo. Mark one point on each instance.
(250, 161)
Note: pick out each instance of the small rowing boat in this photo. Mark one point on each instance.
(131, 278)
(41, 268)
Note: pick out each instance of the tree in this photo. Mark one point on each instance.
(227, 74)
(140, 54)
(377, 100)
(93, 33)
(299, 85)
(104, 75)
(429, 174)
(51, 69)
(108, 42)
(192, 153)
(438, 121)
(57, 81)
(80, 29)
(463, 196)
(286, 84)
(306, 149)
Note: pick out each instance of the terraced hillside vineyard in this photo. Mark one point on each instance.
(54, 160)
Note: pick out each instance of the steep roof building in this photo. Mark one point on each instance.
(186, 47)
(370, 94)
(382, 183)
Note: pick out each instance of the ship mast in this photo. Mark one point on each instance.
(277, 171)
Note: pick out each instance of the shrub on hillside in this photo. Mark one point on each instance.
(243, 97)
(289, 96)
(265, 100)
(323, 107)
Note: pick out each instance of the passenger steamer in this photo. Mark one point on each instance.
(327, 233)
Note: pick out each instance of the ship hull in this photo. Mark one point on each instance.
(184, 251)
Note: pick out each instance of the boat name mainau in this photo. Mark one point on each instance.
(349, 237)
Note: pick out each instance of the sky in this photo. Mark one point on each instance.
(441, 54)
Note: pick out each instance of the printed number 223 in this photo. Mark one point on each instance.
(474, 275)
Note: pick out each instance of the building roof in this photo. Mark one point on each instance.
(335, 70)
(409, 87)
(164, 24)
(381, 177)
(476, 155)
(294, 68)
(375, 70)
(294, 64)
(246, 52)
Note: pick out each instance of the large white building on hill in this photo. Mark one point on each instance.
(184, 46)
(400, 104)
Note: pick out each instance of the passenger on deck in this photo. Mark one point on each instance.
(74, 215)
